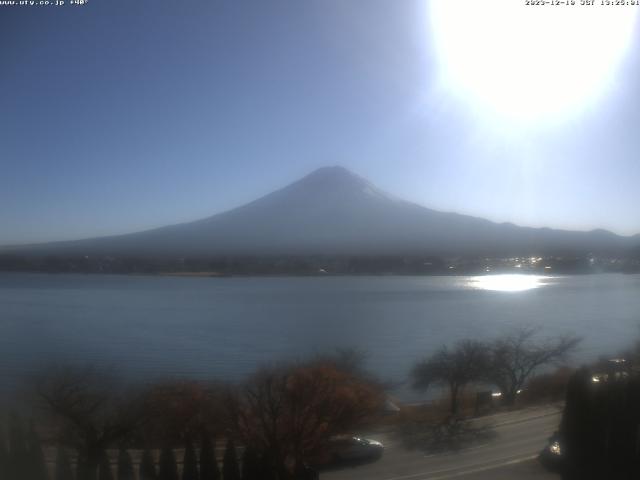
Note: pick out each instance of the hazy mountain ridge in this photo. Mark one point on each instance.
(334, 211)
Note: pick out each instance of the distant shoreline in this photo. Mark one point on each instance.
(190, 274)
(218, 275)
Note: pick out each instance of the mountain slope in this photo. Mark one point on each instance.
(333, 211)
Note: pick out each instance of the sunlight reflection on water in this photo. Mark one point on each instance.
(508, 283)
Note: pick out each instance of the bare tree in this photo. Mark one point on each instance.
(516, 356)
(88, 412)
(454, 368)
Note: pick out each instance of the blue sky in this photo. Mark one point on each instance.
(120, 116)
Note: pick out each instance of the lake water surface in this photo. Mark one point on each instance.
(149, 327)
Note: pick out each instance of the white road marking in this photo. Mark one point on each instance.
(483, 469)
(427, 475)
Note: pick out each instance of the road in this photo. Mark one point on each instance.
(510, 454)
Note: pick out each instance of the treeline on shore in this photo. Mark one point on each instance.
(282, 419)
(508, 362)
(312, 265)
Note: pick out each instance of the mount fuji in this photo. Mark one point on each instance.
(333, 211)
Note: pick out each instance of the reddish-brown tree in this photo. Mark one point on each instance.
(290, 413)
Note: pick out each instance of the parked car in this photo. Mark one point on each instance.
(355, 449)
(551, 456)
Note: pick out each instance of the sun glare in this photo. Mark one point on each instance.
(507, 283)
(528, 62)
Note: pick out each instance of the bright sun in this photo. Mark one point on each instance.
(528, 62)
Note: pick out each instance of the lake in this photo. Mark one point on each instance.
(148, 327)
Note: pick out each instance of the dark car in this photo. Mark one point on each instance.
(355, 449)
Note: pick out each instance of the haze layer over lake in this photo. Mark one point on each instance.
(207, 328)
